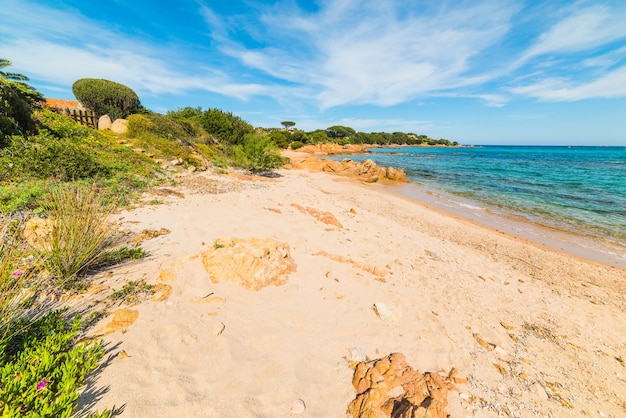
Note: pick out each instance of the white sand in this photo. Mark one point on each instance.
(536, 332)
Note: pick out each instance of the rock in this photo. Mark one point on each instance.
(298, 407)
(162, 292)
(122, 319)
(120, 126)
(253, 263)
(367, 171)
(356, 355)
(36, 232)
(389, 387)
(387, 311)
(104, 122)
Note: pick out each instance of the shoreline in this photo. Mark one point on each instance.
(571, 242)
(568, 242)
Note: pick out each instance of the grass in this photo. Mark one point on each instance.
(132, 291)
(80, 232)
(18, 284)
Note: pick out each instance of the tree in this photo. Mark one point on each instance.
(10, 76)
(106, 97)
(288, 124)
(15, 104)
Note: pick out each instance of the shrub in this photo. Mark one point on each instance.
(15, 112)
(41, 368)
(106, 97)
(80, 232)
(257, 154)
(225, 127)
(43, 157)
(296, 145)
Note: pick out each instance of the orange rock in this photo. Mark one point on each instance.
(121, 319)
(253, 263)
(36, 232)
(367, 171)
(389, 387)
(162, 292)
(167, 276)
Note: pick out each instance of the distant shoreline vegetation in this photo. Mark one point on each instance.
(345, 135)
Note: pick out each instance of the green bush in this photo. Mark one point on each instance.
(15, 112)
(296, 145)
(42, 368)
(226, 127)
(106, 97)
(257, 154)
(45, 157)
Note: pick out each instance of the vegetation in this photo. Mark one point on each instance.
(42, 367)
(106, 97)
(16, 99)
(80, 232)
(74, 177)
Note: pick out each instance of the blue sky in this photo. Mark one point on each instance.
(478, 72)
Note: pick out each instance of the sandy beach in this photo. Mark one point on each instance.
(351, 272)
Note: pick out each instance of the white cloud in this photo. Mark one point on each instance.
(586, 28)
(611, 85)
(362, 52)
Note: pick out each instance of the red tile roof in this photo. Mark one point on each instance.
(63, 104)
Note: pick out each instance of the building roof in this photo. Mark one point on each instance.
(63, 104)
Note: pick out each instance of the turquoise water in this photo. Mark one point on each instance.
(576, 189)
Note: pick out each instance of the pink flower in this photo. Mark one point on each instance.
(42, 384)
(17, 273)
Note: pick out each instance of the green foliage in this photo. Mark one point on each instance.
(15, 111)
(288, 124)
(133, 291)
(42, 368)
(257, 154)
(106, 97)
(296, 145)
(318, 137)
(226, 127)
(80, 231)
(281, 138)
(119, 255)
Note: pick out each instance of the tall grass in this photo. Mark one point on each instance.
(80, 232)
(17, 281)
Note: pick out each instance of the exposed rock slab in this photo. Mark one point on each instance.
(389, 387)
(253, 263)
(367, 171)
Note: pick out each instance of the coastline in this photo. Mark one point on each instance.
(519, 322)
(569, 241)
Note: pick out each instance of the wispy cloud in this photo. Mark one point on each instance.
(355, 52)
(81, 48)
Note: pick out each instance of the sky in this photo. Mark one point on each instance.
(477, 71)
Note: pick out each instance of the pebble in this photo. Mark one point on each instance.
(298, 407)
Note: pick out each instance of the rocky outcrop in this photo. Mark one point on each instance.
(104, 122)
(367, 171)
(389, 387)
(253, 263)
(334, 149)
(120, 126)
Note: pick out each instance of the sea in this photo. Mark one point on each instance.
(571, 198)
